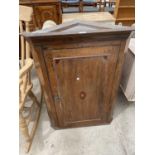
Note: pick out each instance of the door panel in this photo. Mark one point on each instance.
(83, 82)
(44, 13)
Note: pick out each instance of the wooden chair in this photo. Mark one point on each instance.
(111, 2)
(81, 3)
(71, 3)
(110, 5)
(91, 3)
(28, 112)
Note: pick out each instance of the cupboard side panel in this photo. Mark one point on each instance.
(117, 76)
(54, 87)
(43, 77)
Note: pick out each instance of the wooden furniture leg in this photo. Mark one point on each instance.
(28, 113)
(34, 99)
(25, 132)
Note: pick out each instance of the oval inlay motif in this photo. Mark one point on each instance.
(82, 95)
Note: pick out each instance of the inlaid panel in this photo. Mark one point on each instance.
(83, 82)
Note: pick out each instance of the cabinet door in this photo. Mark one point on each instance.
(83, 82)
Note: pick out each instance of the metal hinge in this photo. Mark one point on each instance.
(56, 98)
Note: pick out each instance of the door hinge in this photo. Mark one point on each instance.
(56, 98)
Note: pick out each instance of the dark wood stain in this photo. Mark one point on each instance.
(80, 79)
(44, 10)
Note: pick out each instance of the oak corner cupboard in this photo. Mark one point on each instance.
(79, 66)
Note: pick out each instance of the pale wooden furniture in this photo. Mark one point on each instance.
(91, 16)
(80, 65)
(44, 10)
(125, 12)
(128, 74)
(28, 112)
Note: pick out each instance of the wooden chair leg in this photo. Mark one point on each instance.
(29, 135)
(42, 95)
(81, 6)
(34, 129)
(34, 99)
(24, 130)
(23, 127)
(100, 6)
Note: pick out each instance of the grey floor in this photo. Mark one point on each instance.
(114, 139)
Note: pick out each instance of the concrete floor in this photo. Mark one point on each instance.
(114, 139)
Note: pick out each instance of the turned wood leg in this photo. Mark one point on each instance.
(23, 127)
